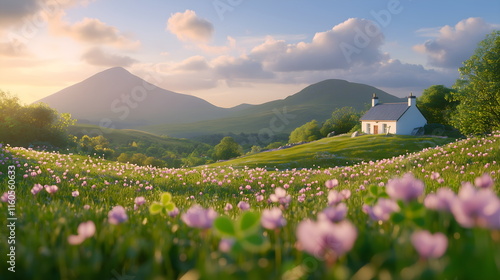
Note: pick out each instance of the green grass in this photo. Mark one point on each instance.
(337, 151)
(161, 247)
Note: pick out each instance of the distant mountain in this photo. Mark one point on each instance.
(116, 97)
(316, 101)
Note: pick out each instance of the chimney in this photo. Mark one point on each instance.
(374, 100)
(412, 100)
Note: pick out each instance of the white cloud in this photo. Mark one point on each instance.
(353, 42)
(13, 48)
(350, 50)
(188, 26)
(97, 56)
(93, 31)
(224, 49)
(13, 12)
(395, 74)
(195, 63)
(23, 21)
(33, 12)
(239, 68)
(452, 45)
(178, 76)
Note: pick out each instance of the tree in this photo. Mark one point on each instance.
(478, 89)
(255, 149)
(307, 132)
(98, 145)
(138, 159)
(22, 125)
(124, 157)
(154, 162)
(436, 104)
(341, 121)
(227, 148)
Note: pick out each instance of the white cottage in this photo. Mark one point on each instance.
(395, 118)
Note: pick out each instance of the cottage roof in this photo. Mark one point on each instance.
(385, 112)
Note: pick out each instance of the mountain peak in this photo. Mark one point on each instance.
(114, 72)
(117, 69)
(115, 95)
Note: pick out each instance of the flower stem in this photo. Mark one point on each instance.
(277, 252)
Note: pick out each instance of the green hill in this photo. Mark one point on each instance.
(120, 137)
(316, 101)
(337, 151)
(169, 149)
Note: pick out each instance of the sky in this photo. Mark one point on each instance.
(230, 52)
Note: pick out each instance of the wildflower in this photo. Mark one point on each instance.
(280, 196)
(429, 245)
(86, 207)
(345, 194)
(382, 210)
(138, 201)
(117, 215)
(435, 175)
(441, 200)
(322, 238)
(243, 205)
(228, 207)
(199, 217)
(407, 188)
(476, 207)
(485, 182)
(174, 212)
(51, 189)
(226, 244)
(85, 230)
(75, 193)
(272, 218)
(5, 197)
(335, 197)
(330, 184)
(334, 213)
(36, 189)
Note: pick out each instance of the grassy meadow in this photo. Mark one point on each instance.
(337, 151)
(362, 220)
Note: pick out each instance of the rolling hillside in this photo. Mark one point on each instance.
(124, 137)
(337, 151)
(316, 101)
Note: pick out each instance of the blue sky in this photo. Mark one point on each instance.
(239, 51)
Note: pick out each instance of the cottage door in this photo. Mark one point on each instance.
(375, 129)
